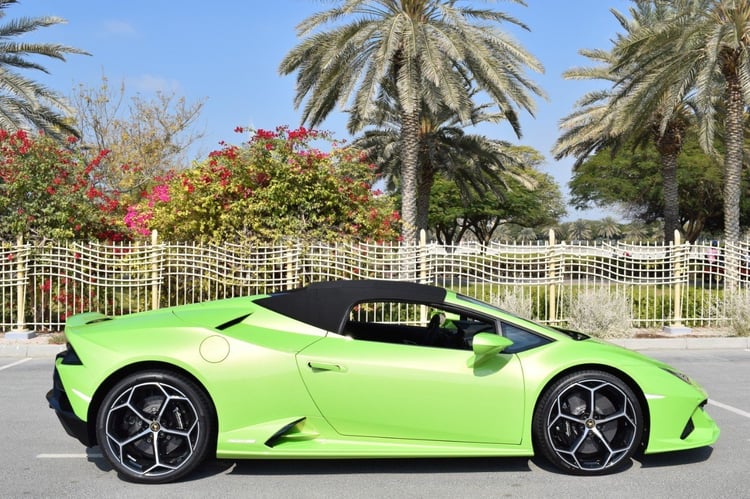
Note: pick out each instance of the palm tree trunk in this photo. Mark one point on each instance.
(733, 159)
(671, 196)
(409, 175)
(426, 179)
(669, 145)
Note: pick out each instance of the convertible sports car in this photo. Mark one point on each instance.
(354, 369)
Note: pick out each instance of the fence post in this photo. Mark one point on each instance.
(422, 259)
(291, 277)
(423, 256)
(154, 271)
(677, 270)
(732, 263)
(20, 332)
(551, 277)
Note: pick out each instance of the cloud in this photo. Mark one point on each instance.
(120, 28)
(151, 84)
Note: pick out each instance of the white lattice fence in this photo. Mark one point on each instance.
(41, 284)
(193, 272)
(63, 279)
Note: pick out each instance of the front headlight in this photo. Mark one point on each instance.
(683, 377)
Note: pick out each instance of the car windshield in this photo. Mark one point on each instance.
(573, 334)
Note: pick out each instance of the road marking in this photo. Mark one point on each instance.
(93, 455)
(16, 363)
(729, 408)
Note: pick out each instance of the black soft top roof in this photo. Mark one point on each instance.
(327, 304)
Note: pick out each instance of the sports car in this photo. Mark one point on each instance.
(362, 369)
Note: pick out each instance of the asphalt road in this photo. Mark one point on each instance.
(39, 460)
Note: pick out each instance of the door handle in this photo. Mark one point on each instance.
(325, 366)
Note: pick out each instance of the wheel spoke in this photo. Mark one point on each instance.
(592, 403)
(574, 419)
(602, 439)
(137, 413)
(132, 439)
(155, 445)
(577, 444)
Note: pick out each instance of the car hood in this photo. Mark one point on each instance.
(622, 352)
(624, 358)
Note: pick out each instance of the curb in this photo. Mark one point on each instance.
(720, 343)
(29, 350)
(18, 349)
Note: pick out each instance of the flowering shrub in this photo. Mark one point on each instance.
(47, 189)
(61, 300)
(137, 218)
(273, 186)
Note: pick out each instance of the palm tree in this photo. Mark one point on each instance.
(526, 235)
(609, 118)
(433, 51)
(580, 230)
(635, 231)
(475, 163)
(503, 233)
(702, 44)
(608, 228)
(25, 104)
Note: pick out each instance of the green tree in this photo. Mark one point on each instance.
(274, 187)
(24, 103)
(631, 180)
(701, 50)
(446, 212)
(46, 190)
(453, 213)
(434, 52)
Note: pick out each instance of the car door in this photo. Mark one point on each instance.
(375, 389)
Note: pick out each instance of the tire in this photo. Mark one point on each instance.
(154, 426)
(588, 423)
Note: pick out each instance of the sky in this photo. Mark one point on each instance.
(227, 52)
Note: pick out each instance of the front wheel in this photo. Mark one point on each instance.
(154, 427)
(588, 423)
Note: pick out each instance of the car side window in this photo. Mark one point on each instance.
(415, 324)
(522, 339)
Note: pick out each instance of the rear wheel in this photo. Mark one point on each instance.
(154, 426)
(588, 423)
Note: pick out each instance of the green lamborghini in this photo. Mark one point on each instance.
(355, 369)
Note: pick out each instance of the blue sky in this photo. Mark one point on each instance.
(228, 52)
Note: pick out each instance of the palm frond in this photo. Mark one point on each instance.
(24, 103)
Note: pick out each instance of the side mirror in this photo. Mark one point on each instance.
(486, 345)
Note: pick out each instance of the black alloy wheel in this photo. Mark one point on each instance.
(588, 423)
(154, 427)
